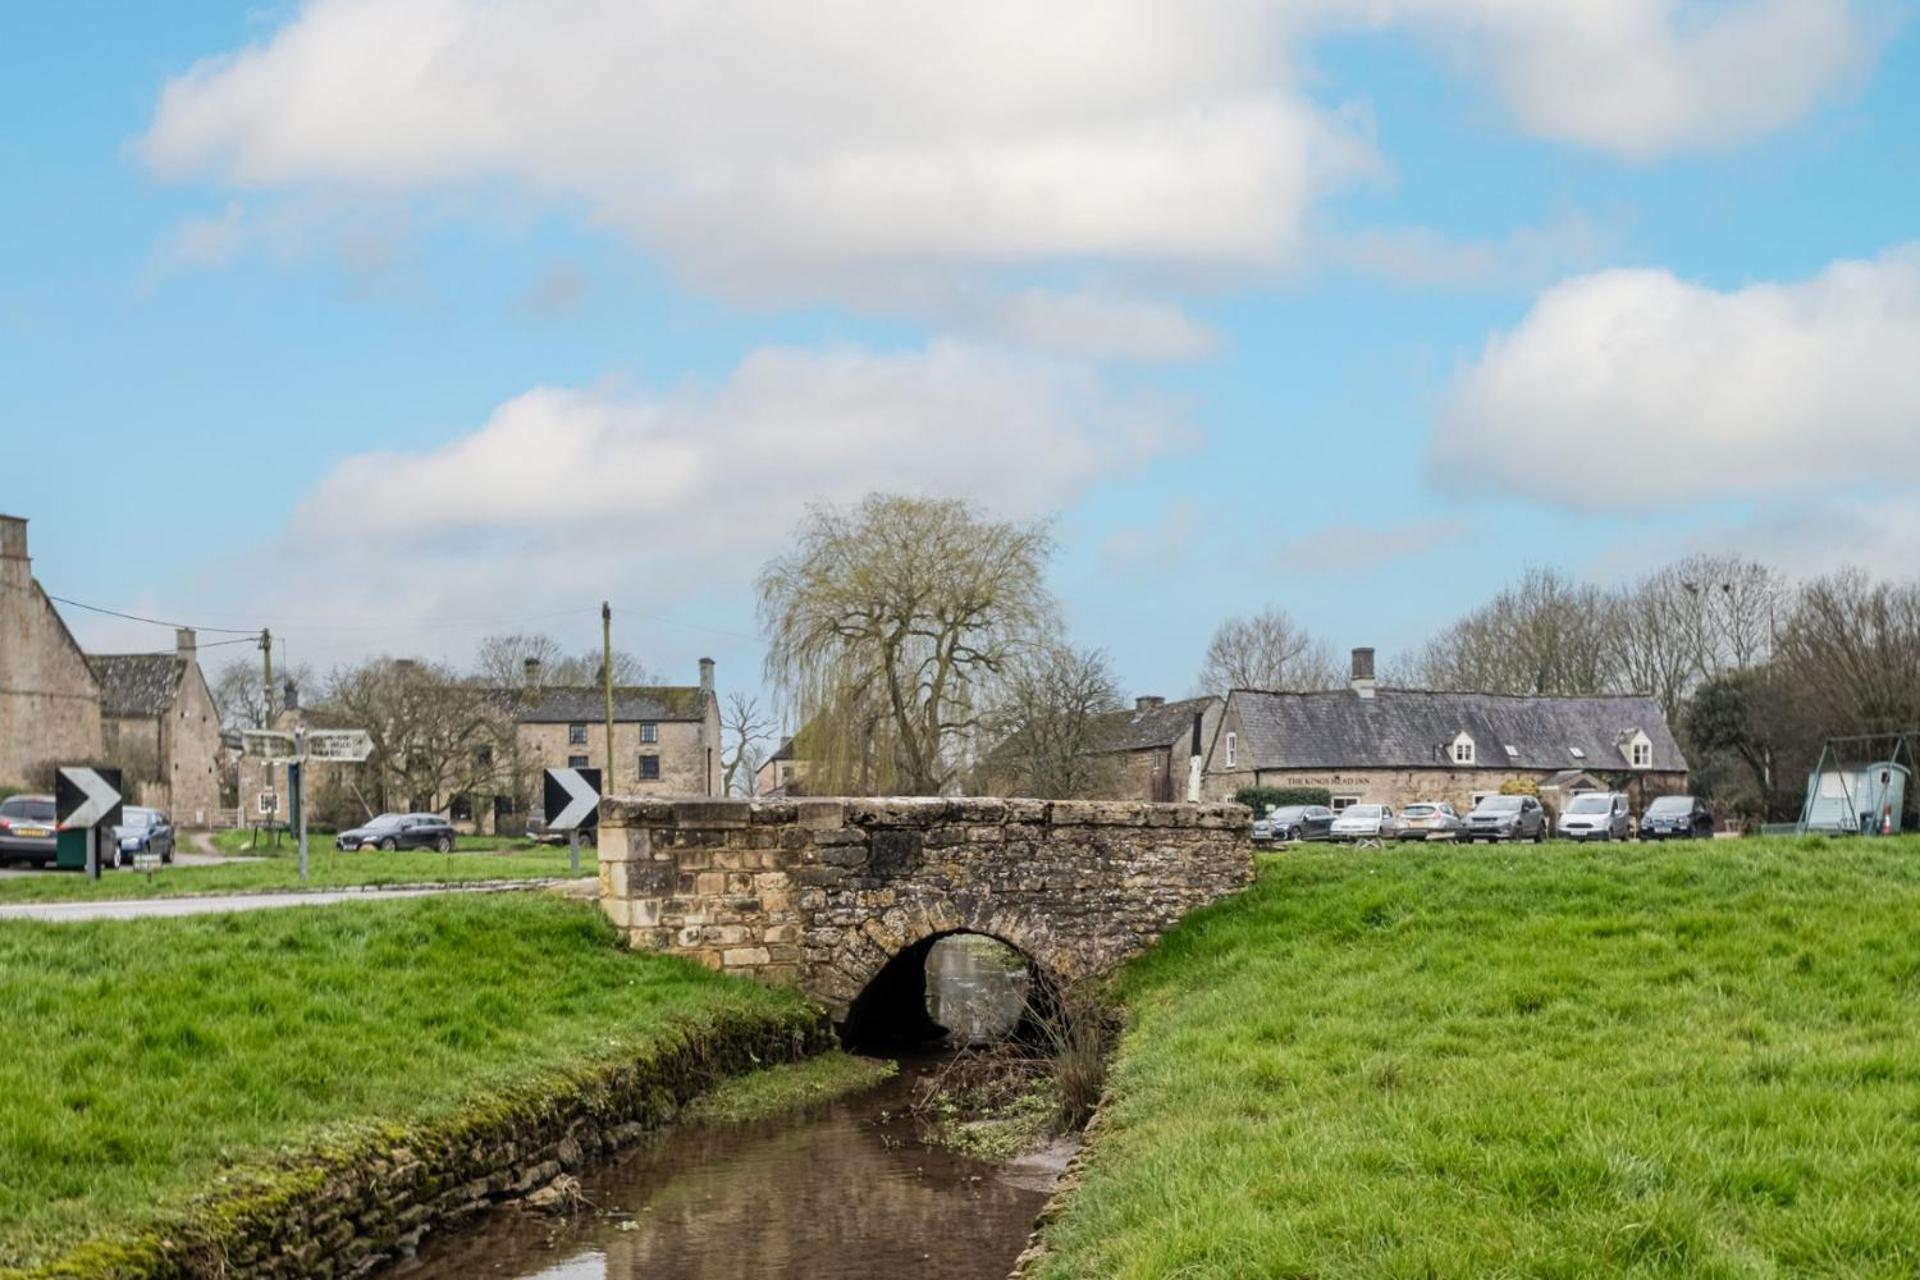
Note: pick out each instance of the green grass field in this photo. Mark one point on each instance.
(326, 869)
(239, 842)
(1695, 1060)
(143, 1057)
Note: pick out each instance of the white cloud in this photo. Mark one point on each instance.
(570, 494)
(780, 150)
(1424, 258)
(1691, 392)
(1642, 78)
(1347, 548)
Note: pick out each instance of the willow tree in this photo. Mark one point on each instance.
(890, 626)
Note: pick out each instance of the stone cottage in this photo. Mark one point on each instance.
(1154, 742)
(1367, 744)
(160, 725)
(666, 738)
(49, 699)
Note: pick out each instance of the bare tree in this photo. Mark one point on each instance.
(1695, 621)
(435, 736)
(239, 692)
(744, 730)
(1051, 711)
(501, 661)
(1544, 635)
(889, 627)
(1267, 651)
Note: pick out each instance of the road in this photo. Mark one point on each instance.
(143, 908)
(180, 859)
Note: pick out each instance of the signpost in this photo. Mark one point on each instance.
(87, 800)
(572, 801)
(330, 746)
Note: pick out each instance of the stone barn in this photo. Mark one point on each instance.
(49, 699)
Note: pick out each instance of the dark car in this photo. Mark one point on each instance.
(1295, 822)
(1677, 818)
(27, 830)
(392, 831)
(1498, 818)
(142, 831)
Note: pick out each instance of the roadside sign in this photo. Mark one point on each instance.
(269, 804)
(87, 798)
(148, 862)
(345, 745)
(269, 745)
(572, 799)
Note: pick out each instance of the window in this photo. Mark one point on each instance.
(649, 731)
(1463, 752)
(1343, 803)
(576, 762)
(649, 768)
(576, 735)
(483, 756)
(1642, 755)
(1578, 754)
(1233, 750)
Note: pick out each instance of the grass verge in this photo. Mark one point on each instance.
(326, 869)
(1682, 1060)
(789, 1087)
(239, 842)
(148, 1061)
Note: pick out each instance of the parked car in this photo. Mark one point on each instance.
(1363, 822)
(392, 831)
(142, 831)
(1597, 815)
(1498, 818)
(1677, 818)
(27, 830)
(1431, 820)
(1292, 822)
(538, 833)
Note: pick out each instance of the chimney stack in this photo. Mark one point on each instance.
(1149, 702)
(289, 696)
(184, 643)
(15, 569)
(532, 669)
(706, 674)
(1362, 681)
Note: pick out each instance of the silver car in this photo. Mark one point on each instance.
(1431, 820)
(1364, 822)
(1596, 815)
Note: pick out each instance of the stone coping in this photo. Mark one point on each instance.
(911, 811)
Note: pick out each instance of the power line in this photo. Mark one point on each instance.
(134, 617)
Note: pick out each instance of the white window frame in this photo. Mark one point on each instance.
(649, 732)
(576, 735)
(1463, 751)
(1233, 750)
(1340, 804)
(1640, 751)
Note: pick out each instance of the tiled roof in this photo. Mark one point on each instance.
(576, 704)
(1408, 728)
(1168, 724)
(137, 684)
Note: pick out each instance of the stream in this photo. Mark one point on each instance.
(846, 1189)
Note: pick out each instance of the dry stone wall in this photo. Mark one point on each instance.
(823, 892)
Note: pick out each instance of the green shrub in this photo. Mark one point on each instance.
(1265, 799)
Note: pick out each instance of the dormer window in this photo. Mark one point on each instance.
(1639, 750)
(1462, 750)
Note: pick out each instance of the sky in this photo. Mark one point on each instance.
(391, 324)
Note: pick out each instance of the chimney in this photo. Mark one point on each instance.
(184, 644)
(706, 674)
(289, 696)
(15, 569)
(1149, 702)
(1362, 681)
(532, 669)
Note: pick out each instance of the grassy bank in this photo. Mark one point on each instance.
(1685, 1060)
(326, 869)
(789, 1087)
(145, 1058)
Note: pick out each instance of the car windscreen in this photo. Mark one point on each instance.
(135, 818)
(1420, 811)
(31, 810)
(1500, 804)
(384, 821)
(1362, 811)
(1288, 814)
(1667, 806)
(1590, 804)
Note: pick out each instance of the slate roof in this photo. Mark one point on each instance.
(577, 704)
(1166, 725)
(137, 684)
(1410, 728)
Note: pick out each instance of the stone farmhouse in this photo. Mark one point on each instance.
(49, 697)
(666, 738)
(1367, 744)
(1154, 742)
(160, 724)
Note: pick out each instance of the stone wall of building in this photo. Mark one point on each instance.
(49, 699)
(192, 751)
(824, 892)
(689, 753)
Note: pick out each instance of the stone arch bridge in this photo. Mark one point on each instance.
(826, 893)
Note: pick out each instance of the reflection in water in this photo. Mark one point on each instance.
(845, 1191)
(976, 987)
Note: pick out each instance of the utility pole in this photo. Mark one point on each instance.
(266, 711)
(606, 680)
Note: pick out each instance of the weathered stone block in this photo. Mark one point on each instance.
(745, 957)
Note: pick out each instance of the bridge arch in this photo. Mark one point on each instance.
(827, 893)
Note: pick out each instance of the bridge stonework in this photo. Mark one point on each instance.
(823, 892)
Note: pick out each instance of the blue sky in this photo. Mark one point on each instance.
(392, 325)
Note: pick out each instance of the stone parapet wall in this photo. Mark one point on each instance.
(823, 892)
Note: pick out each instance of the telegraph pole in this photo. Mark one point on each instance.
(606, 680)
(266, 713)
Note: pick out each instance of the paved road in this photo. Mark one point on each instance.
(141, 908)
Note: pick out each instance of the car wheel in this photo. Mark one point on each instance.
(589, 839)
(444, 844)
(388, 845)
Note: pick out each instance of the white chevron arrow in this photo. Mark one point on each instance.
(100, 800)
(581, 800)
